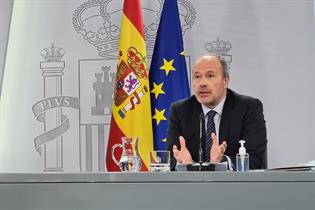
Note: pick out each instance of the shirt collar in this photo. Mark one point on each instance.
(218, 108)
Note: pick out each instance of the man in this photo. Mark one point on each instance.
(234, 117)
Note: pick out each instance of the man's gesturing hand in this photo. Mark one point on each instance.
(217, 151)
(183, 155)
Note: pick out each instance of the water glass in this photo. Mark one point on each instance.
(160, 161)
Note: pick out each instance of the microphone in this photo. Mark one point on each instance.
(201, 120)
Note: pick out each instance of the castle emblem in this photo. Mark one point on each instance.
(103, 88)
(96, 92)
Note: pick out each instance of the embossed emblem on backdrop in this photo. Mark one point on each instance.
(221, 48)
(98, 23)
(49, 110)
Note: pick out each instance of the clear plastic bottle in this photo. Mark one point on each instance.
(242, 158)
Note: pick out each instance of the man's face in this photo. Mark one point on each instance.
(209, 84)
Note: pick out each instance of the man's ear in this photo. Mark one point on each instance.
(226, 81)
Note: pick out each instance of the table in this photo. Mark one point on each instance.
(261, 190)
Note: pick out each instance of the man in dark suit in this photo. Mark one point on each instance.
(236, 117)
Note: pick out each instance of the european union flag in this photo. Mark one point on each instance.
(168, 73)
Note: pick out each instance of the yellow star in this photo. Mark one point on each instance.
(159, 115)
(183, 53)
(157, 89)
(168, 66)
(164, 140)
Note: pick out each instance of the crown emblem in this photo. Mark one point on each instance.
(52, 53)
(98, 21)
(220, 48)
(137, 63)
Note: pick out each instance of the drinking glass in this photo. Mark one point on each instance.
(160, 161)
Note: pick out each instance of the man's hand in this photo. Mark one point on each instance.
(182, 155)
(217, 151)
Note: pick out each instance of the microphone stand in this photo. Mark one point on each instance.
(200, 158)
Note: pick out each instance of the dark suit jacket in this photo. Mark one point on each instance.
(242, 118)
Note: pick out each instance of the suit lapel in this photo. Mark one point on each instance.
(226, 116)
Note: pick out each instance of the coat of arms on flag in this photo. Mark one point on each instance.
(128, 74)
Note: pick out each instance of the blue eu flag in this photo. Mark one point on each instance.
(168, 73)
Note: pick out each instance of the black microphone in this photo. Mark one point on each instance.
(201, 120)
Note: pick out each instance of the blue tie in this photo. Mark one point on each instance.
(210, 129)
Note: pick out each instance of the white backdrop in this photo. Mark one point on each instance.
(5, 15)
(270, 46)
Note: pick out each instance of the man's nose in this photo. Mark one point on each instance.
(203, 82)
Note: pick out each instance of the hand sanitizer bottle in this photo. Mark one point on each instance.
(242, 158)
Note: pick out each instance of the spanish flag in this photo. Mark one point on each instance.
(131, 111)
